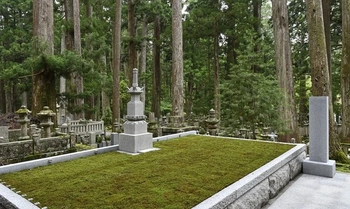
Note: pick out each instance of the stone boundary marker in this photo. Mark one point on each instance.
(318, 163)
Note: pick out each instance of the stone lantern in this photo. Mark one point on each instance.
(212, 123)
(45, 117)
(23, 113)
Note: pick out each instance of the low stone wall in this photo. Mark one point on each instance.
(14, 134)
(21, 149)
(256, 189)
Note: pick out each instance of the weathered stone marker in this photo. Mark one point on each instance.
(135, 138)
(318, 163)
(4, 134)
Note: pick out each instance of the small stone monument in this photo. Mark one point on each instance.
(212, 123)
(4, 134)
(135, 138)
(23, 113)
(45, 117)
(318, 163)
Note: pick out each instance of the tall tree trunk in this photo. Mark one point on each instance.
(326, 8)
(157, 90)
(132, 39)
(91, 113)
(78, 81)
(73, 42)
(62, 114)
(2, 97)
(216, 71)
(143, 57)
(303, 110)
(284, 68)
(257, 29)
(345, 71)
(257, 15)
(319, 66)
(43, 92)
(116, 62)
(303, 102)
(104, 96)
(69, 38)
(9, 97)
(177, 59)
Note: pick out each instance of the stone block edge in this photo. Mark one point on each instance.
(230, 194)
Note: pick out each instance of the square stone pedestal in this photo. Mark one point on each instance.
(319, 168)
(135, 143)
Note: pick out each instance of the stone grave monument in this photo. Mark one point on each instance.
(318, 162)
(135, 138)
(4, 134)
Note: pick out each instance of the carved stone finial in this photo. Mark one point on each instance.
(135, 78)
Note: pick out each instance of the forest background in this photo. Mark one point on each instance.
(250, 60)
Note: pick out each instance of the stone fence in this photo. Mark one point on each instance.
(83, 127)
(21, 149)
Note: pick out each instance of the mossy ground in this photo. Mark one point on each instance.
(184, 172)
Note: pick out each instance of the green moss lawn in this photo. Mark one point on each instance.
(183, 173)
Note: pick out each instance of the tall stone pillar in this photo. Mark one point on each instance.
(135, 137)
(318, 163)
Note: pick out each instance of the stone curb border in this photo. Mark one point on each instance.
(173, 136)
(11, 200)
(258, 187)
(232, 196)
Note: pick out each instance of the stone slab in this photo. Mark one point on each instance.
(56, 159)
(314, 192)
(114, 138)
(173, 136)
(92, 138)
(135, 142)
(11, 200)
(4, 133)
(319, 168)
(319, 130)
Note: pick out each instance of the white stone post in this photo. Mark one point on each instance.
(318, 162)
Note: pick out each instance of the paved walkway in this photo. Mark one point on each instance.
(314, 192)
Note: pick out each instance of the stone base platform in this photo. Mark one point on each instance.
(319, 168)
(134, 143)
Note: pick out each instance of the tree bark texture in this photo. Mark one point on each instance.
(143, 56)
(284, 68)
(216, 71)
(116, 61)
(257, 29)
(2, 97)
(43, 92)
(77, 76)
(132, 37)
(326, 8)
(319, 65)
(345, 71)
(69, 37)
(157, 89)
(177, 59)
